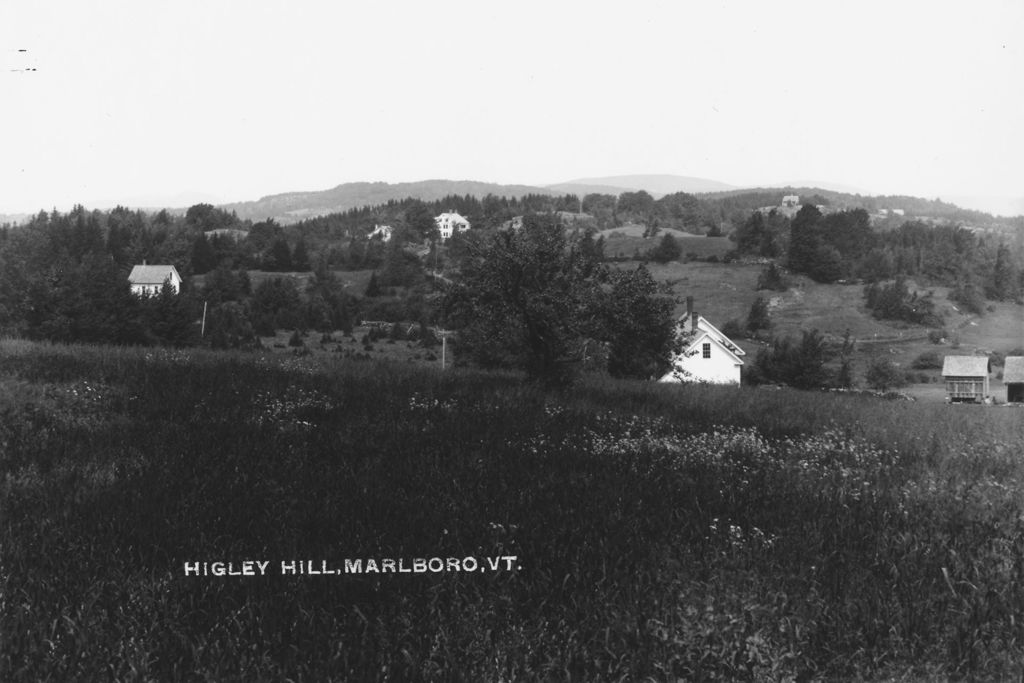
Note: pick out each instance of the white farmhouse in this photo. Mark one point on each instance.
(707, 355)
(449, 222)
(146, 280)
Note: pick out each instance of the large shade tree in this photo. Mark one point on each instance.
(541, 300)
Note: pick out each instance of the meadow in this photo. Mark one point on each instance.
(660, 533)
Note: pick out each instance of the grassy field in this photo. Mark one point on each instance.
(657, 532)
(724, 292)
(343, 347)
(627, 240)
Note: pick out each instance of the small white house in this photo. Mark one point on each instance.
(147, 280)
(707, 355)
(449, 222)
(791, 201)
(382, 231)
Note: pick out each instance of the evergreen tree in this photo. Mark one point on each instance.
(300, 258)
(373, 286)
(280, 257)
(668, 249)
(757, 318)
(204, 258)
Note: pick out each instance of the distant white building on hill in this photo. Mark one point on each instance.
(707, 354)
(449, 222)
(146, 280)
(382, 231)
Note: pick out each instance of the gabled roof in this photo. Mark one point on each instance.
(685, 323)
(701, 337)
(965, 366)
(451, 216)
(1013, 371)
(151, 275)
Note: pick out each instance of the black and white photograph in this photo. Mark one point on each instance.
(488, 341)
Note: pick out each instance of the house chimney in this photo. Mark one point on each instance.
(691, 314)
(693, 321)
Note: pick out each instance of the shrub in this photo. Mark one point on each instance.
(668, 249)
(758, 318)
(969, 297)
(929, 360)
(296, 339)
(897, 302)
(883, 374)
(772, 277)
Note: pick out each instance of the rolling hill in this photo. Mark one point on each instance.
(294, 206)
(656, 185)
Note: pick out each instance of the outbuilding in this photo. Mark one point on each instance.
(967, 378)
(1013, 378)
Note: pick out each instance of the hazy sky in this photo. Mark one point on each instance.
(127, 100)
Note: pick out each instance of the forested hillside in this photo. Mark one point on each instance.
(63, 277)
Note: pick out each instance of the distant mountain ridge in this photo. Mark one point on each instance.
(657, 185)
(290, 207)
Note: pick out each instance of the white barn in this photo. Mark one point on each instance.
(147, 280)
(707, 354)
(449, 222)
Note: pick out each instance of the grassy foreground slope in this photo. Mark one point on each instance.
(659, 532)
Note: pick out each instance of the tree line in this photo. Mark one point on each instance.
(842, 245)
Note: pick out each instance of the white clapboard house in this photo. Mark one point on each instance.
(707, 355)
(148, 280)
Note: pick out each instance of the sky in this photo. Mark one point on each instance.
(112, 101)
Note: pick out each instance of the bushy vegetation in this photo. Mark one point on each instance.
(799, 364)
(895, 301)
(660, 532)
(541, 301)
(773, 278)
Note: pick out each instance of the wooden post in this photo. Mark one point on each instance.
(444, 346)
(202, 329)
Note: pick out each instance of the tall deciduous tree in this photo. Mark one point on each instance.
(538, 300)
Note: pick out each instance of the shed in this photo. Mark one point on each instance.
(966, 378)
(1013, 378)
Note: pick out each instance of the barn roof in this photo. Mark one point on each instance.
(1013, 371)
(151, 275)
(965, 366)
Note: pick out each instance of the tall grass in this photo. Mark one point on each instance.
(694, 532)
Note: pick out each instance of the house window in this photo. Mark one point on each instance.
(706, 350)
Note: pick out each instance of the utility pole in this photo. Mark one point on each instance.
(202, 330)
